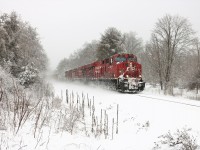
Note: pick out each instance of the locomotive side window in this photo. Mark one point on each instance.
(120, 59)
(107, 61)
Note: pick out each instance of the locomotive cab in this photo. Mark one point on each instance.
(130, 78)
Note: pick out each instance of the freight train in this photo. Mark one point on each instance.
(121, 71)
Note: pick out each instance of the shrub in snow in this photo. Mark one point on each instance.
(28, 76)
(71, 120)
(18, 104)
(180, 140)
(56, 103)
(41, 89)
(11, 97)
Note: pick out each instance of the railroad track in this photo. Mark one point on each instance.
(170, 101)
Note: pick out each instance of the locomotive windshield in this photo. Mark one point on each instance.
(120, 59)
(132, 59)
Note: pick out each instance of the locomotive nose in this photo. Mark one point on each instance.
(130, 64)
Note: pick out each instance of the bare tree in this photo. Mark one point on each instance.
(132, 44)
(171, 37)
(196, 81)
(197, 48)
(154, 57)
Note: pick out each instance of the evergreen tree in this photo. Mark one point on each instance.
(112, 42)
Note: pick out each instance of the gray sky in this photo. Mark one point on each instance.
(65, 25)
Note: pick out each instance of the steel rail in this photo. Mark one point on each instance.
(182, 103)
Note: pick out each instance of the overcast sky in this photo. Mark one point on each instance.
(65, 25)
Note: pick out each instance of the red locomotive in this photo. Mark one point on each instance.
(120, 70)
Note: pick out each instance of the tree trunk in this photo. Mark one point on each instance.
(161, 85)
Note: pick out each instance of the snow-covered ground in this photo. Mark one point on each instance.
(143, 117)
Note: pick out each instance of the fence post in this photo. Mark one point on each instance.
(117, 118)
(67, 98)
(112, 127)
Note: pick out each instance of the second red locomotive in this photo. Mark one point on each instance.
(121, 70)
